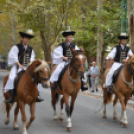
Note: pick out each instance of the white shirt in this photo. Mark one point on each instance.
(112, 54)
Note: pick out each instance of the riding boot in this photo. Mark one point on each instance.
(133, 93)
(54, 86)
(109, 90)
(11, 99)
(83, 86)
(39, 99)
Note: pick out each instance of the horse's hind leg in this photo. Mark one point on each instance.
(16, 111)
(61, 114)
(114, 106)
(7, 119)
(53, 96)
(104, 103)
(32, 111)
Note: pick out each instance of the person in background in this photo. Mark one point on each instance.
(94, 73)
(88, 75)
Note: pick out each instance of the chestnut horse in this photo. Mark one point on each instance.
(71, 84)
(27, 92)
(122, 89)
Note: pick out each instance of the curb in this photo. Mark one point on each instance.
(2, 70)
(88, 93)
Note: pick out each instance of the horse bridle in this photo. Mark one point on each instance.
(75, 69)
(39, 79)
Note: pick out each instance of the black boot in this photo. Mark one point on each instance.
(54, 86)
(97, 90)
(109, 90)
(39, 99)
(133, 93)
(11, 99)
(83, 86)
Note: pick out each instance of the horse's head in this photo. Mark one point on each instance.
(39, 71)
(130, 64)
(78, 62)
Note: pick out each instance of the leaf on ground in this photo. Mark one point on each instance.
(102, 123)
(50, 125)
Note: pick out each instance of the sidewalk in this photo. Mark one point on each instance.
(3, 70)
(99, 94)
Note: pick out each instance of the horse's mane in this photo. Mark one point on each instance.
(43, 64)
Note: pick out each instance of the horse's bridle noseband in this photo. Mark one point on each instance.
(36, 76)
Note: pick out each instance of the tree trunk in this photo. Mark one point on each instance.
(99, 34)
(47, 53)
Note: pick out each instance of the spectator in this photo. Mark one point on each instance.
(88, 75)
(94, 73)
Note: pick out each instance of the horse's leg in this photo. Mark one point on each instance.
(53, 96)
(69, 122)
(114, 106)
(72, 104)
(16, 111)
(61, 114)
(23, 116)
(32, 111)
(7, 119)
(104, 103)
(124, 117)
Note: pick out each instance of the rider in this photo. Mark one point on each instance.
(62, 56)
(19, 57)
(119, 54)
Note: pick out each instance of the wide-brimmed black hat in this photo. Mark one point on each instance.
(29, 34)
(123, 36)
(66, 33)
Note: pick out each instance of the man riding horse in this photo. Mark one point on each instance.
(62, 55)
(19, 57)
(120, 55)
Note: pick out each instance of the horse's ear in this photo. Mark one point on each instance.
(74, 51)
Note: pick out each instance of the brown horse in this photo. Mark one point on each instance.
(122, 89)
(27, 92)
(71, 84)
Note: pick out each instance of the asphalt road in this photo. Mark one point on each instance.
(84, 120)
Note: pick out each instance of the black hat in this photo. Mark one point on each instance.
(29, 34)
(68, 32)
(123, 36)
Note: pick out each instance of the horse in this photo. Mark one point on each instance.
(27, 92)
(122, 89)
(71, 84)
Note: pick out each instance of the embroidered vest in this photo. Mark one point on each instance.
(121, 54)
(24, 55)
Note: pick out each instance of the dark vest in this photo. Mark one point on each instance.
(121, 54)
(67, 51)
(24, 55)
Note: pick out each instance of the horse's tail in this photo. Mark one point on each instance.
(57, 97)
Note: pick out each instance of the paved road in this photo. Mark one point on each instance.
(84, 120)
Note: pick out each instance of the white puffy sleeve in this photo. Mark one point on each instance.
(112, 53)
(57, 55)
(13, 56)
(76, 47)
(130, 53)
(32, 56)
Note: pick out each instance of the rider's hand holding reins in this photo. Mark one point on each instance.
(20, 66)
(65, 58)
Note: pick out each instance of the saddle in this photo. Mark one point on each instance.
(116, 73)
(61, 76)
(16, 81)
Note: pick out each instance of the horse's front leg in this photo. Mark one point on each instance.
(123, 115)
(23, 116)
(15, 124)
(69, 122)
(114, 106)
(32, 111)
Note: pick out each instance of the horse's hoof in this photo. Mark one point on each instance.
(60, 119)
(125, 125)
(104, 117)
(115, 118)
(7, 122)
(15, 128)
(69, 129)
(25, 132)
(55, 119)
